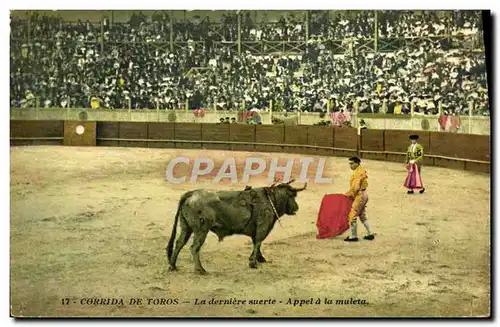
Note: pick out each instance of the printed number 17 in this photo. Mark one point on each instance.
(65, 301)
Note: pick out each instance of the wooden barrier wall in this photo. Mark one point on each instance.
(320, 137)
(128, 131)
(273, 134)
(215, 132)
(79, 133)
(188, 132)
(106, 130)
(161, 131)
(37, 132)
(295, 135)
(460, 151)
(244, 135)
(347, 139)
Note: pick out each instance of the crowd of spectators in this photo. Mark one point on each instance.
(67, 65)
(357, 24)
(429, 23)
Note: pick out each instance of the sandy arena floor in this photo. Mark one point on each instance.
(94, 223)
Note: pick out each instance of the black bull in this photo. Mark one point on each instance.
(252, 212)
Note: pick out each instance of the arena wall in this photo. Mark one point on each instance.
(159, 132)
(108, 131)
(469, 125)
(188, 132)
(242, 137)
(78, 133)
(133, 131)
(372, 140)
(345, 141)
(297, 136)
(217, 133)
(32, 132)
(272, 134)
(459, 151)
(320, 139)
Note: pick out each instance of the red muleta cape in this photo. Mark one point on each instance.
(332, 218)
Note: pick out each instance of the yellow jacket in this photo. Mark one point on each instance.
(417, 154)
(358, 183)
(397, 109)
(95, 103)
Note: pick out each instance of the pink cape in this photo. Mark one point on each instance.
(338, 118)
(413, 180)
(449, 123)
(332, 218)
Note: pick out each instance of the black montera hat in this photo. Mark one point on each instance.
(355, 159)
(413, 137)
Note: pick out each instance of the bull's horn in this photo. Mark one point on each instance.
(291, 181)
(301, 189)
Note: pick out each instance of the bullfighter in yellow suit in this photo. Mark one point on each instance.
(415, 154)
(357, 192)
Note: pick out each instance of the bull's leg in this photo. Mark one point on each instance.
(255, 254)
(199, 239)
(260, 257)
(263, 227)
(186, 232)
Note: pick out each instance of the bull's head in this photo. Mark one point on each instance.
(285, 197)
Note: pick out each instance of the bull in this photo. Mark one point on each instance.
(252, 212)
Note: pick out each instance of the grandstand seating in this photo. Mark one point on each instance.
(430, 59)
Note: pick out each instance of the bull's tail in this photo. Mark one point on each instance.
(170, 246)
